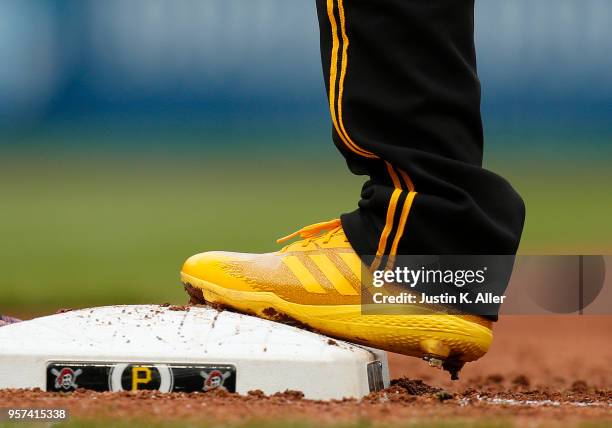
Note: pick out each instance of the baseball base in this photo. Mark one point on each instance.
(185, 349)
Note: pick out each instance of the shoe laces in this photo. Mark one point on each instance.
(324, 230)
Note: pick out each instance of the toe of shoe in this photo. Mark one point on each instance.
(204, 265)
(214, 267)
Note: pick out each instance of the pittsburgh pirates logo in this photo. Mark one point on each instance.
(65, 379)
(214, 379)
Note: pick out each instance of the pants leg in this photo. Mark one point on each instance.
(404, 98)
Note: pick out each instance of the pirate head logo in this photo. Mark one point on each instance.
(66, 378)
(214, 379)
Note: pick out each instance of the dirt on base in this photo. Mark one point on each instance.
(540, 371)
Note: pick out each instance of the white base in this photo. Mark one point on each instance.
(268, 356)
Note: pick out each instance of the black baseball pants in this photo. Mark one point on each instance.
(404, 98)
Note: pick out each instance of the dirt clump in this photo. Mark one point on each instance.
(283, 318)
(495, 379)
(414, 386)
(580, 386)
(521, 381)
(196, 297)
(181, 308)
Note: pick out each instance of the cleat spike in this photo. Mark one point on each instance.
(453, 367)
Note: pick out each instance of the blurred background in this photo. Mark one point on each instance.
(136, 133)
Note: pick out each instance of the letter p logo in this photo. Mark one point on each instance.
(140, 376)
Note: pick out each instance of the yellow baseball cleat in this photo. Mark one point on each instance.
(315, 283)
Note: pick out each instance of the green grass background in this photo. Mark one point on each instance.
(113, 225)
